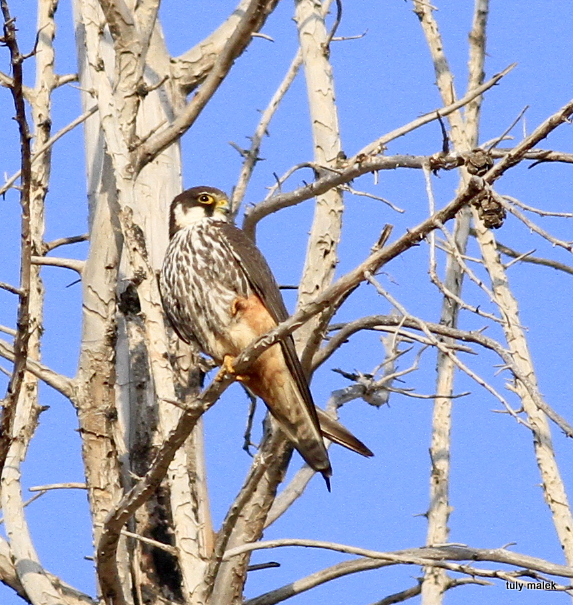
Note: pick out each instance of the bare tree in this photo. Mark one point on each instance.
(139, 392)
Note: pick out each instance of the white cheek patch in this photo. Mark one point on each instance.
(185, 218)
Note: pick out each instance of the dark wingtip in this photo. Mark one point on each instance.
(327, 481)
(366, 452)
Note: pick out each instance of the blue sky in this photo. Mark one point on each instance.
(383, 80)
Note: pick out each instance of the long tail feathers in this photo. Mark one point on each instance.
(333, 430)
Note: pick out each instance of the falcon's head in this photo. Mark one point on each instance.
(195, 204)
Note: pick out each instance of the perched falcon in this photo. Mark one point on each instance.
(218, 291)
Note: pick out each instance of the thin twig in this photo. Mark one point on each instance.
(65, 241)
(380, 143)
(10, 288)
(51, 486)
(538, 155)
(66, 263)
(503, 135)
(252, 155)
(535, 227)
(48, 145)
(518, 153)
(535, 260)
(59, 382)
(538, 211)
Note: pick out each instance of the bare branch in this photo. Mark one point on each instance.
(23, 336)
(553, 485)
(9, 577)
(65, 241)
(372, 197)
(329, 178)
(539, 155)
(503, 136)
(145, 18)
(364, 564)
(252, 155)
(10, 288)
(518, 153)
(534, 227)
(236, 44)
(400, 597)
(65, 79)
(48, 145)
(477, 40)
(379, 144)
(143, 489)
(427, 554)
(537, 211)
(322, 247)
(8, 573)
(464, 134)
(63, 384)
(535, 260)
(191, 68)
(251, 504)
(66, 263)
(6, 80)
(51, 486)
(292, 492)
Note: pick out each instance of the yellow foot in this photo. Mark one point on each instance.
(226, 368)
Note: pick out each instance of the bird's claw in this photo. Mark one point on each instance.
(227, 367)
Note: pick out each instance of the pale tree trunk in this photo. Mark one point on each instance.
(134, 395)
(321, 256)
(132, 216)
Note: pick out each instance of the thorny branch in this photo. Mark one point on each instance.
(429, 554)
(444, 557)
(23, 335)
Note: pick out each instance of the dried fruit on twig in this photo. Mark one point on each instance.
(478, 161)
(490, 210)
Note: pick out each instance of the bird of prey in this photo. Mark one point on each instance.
(219, 293)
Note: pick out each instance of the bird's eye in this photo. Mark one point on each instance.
(205, 198)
